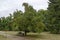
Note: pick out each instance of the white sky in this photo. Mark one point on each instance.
(8, 6)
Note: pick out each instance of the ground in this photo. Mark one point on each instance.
(11, 35)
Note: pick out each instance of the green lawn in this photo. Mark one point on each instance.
(2, 37)
(11, 32)
(37, 36)
(43, 36)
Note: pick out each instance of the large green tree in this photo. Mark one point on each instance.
(29, 21)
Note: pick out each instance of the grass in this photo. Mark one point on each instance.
(37, 36)
(11, 32)
(2, 37)
(44, 36)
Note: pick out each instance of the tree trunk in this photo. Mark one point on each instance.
(25, 33)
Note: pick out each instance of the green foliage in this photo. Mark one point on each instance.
(54, 16)
(6, 23)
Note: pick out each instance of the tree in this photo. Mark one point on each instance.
(54, 16)
(9, 23)
(29, 21)
(0, 24)
(6, 23)
(3, 23)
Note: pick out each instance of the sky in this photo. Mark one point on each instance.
(9, 6)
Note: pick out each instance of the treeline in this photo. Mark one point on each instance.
(32, 20)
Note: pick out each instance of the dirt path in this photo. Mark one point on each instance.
(11, 36)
